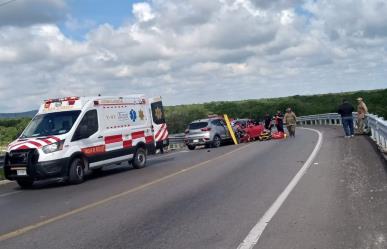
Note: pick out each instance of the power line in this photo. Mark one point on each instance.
(6, 2)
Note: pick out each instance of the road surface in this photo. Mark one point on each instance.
(213, 199)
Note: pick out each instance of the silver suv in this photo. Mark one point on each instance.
(209, 132)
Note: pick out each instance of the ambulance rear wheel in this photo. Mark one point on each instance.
(76, 171)
(139, 159)
(24, 183)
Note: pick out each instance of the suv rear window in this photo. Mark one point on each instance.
(197, 125)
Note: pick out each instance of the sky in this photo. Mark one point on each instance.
(190, 51)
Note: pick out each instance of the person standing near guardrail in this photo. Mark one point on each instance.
(290, 121)
(362, 110)
(345, 110)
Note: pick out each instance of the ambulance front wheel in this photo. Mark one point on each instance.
(76, 171)
(139, 159)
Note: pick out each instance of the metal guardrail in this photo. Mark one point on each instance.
(322, 119)
(378, 128)
(376, 125)
(176, 141)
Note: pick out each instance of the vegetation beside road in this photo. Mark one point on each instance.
(11, 128)
(1, 174)
(179, 116)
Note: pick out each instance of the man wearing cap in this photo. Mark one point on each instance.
(362, 110)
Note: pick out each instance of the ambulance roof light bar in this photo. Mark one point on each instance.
(70, 99)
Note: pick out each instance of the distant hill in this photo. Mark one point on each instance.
(29, 114)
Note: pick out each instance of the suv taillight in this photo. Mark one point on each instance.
(205, 129)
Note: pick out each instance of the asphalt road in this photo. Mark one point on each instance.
(213, 199)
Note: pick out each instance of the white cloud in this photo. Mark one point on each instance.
(195, 51)
(143, 12)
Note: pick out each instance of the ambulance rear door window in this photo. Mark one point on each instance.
(158, 112)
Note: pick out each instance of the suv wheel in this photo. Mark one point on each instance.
(216, 142)
(25, 183)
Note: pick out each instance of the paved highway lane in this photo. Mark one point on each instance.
(195, 199)
(210, 206)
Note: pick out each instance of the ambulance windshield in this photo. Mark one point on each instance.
(49, 124)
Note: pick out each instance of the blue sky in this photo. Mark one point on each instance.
(95, 12)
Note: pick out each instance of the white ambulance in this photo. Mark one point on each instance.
(74, 135)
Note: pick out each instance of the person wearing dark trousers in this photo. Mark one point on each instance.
(267, 120)
(279, 121)
(160, 146)
(345, 110)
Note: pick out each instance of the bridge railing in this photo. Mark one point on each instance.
(376, 125)
(176, 141)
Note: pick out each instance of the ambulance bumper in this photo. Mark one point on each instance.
(38, 171)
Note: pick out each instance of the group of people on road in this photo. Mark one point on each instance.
(289, 119)
(346, 111)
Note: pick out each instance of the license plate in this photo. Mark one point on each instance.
(21, 172)
(196, 141)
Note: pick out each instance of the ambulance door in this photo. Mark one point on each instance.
(160, 131)
(87, 138)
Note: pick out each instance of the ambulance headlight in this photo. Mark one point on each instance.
(53, 147)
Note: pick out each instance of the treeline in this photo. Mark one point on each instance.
(179, 116)
(11, 128)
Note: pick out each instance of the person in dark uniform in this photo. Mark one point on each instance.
(160, 146)
(267, 120)
(279, 121)
(345, 110)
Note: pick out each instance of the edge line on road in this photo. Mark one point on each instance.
(37, 225)
(255, 233)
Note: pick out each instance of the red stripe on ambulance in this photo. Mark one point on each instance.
(55, 138)
(159, 131)
(149, 139)
(127, 144)
(138, 134)
(23, 147)
(38, 145)
(113, 139)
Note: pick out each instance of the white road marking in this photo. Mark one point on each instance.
(255, 233)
